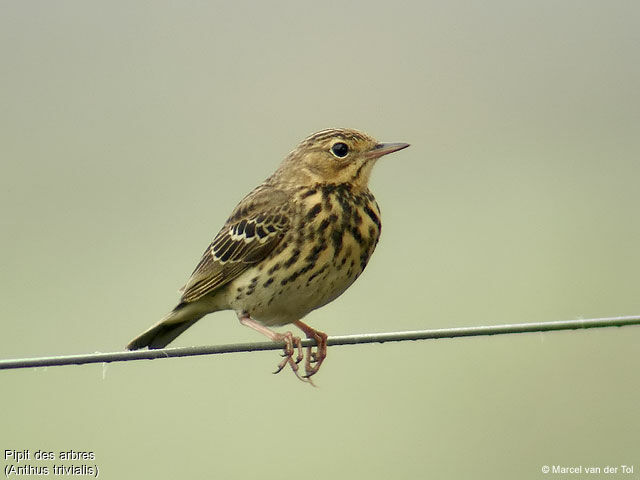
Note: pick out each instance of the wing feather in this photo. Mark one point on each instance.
(254, 229)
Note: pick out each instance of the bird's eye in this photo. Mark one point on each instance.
(340, 149)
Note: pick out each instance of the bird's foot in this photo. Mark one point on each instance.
(291, 345)
(315, 357)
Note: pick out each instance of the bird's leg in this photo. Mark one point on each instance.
(319, 355)
(291, 343)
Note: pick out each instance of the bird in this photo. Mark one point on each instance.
(292, 245)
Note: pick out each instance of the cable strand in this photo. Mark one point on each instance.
(331, 341)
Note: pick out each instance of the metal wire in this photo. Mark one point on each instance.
(332, 341)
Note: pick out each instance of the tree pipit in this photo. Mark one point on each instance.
(293, 244)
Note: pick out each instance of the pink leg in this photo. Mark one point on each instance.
(321, 350)
(291, 343)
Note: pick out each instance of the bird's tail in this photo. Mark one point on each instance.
(166, 330)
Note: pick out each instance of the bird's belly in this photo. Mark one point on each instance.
(279, 299)
(292, 303)
(288, 292)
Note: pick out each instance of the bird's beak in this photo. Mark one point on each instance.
(384, 148)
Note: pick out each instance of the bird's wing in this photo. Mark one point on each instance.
(253, 230)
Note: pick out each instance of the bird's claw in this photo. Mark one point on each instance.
(315, 358)
(291, 345)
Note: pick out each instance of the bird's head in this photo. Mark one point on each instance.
(335, 156)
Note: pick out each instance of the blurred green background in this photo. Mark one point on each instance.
(128, 132)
